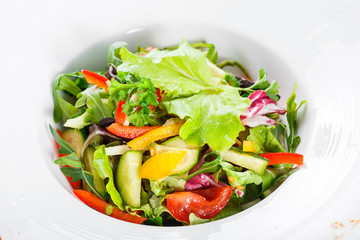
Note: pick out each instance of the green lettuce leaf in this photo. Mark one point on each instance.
(194, 91)
(181, 72)
(103, 168)
(241, 178)
(113, 56)
(212, 117)
(264, 140)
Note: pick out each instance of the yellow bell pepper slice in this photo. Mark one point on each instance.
(159, 133)
(161, 165)
(248, 146)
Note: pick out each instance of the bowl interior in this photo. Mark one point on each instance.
(289, 205)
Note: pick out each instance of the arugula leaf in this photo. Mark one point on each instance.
(103, 168)
(65, 148)
(292, 139)
(204, 111)
(95, 110)
(264, 140)
(241, 178)
(71, 160)
(263, 84)
(181, 72)
(77, 172)
(207, 167)
(137, 110)
(113, 56)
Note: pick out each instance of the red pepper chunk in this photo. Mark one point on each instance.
(96, 79)
(204, 203)
(129, 131)
(284, 157)
(100, 205)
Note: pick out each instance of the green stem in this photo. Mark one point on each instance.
(236, 64)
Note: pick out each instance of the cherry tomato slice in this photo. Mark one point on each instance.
(204, 203)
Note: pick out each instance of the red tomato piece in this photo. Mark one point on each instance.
(204, 203)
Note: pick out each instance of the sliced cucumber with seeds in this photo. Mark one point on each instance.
(75, 139)
(246, 160)
(127, 177)
(189, 161)
(178, 143)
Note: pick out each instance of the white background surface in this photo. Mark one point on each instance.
(318, 40)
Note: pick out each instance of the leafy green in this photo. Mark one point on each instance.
(263, 84)
(156, 203)
(137, 110)
(65, 148)
(64, 90)
(76, 173)
(155, 221)
(103, 168)
(194, 91)
(194, 220)
(292, 139)
(264, 140)
(241, 178)
(232, 207)
(181, 72)
(94, 108)
(159, 188)
(204, 111)
(71, 160)
(235, 64)
(211, 53)
(113, 56)
(213, 166)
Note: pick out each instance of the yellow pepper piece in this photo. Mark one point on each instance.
(248, 146)
(159, 133)
(161, 165)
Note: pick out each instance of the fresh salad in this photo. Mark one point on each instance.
(168, 137)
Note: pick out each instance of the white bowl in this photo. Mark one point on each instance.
(313, 53)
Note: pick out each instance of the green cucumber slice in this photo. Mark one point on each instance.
(89, 166)
(74, 138)
(128, 181)
(189, 161)
(177, 142)
(257, 164)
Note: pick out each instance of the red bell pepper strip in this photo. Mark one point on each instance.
(204, 203)
(96, 79)
(74, 185)
(129, 131)
(120, 116)
(102, 206)
(284, 157)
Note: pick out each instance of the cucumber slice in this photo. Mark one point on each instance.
(89, 166)
(257, 164)
(189, 161)
(75, 139)
(177, 142)
(127, 177)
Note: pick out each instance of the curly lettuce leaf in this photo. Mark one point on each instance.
(212, 117)
(180, 72)
(194, 91)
